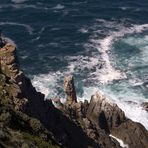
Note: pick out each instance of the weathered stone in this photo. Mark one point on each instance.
(112, 119)
(145, 106)
(69, 89)
(132, 133)
(106, 115)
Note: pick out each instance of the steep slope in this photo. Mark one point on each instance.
(16, 128)
(18, 92)
(27, 120)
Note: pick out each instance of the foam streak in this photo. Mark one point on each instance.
(104, 45)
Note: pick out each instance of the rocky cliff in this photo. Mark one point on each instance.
(27, 120)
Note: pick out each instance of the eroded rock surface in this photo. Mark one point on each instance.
(106, 115)
(17, 129)
(145, 106)
(69, 89)
(72, 124)
(111, 118)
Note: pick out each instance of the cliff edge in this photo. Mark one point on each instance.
(28, 120)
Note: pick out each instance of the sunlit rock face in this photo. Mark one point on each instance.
(69, 89)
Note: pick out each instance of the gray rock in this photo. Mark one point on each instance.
(103, 113)
(145, 106)
(69, 89)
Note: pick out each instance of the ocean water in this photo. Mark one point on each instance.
(104, 44)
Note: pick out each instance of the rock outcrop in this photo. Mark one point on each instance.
(111, 118)
(145, 106)
(17, 92)
(106, 115)
(69, 89)
(9, 73)
(17, 129)
(38, 123)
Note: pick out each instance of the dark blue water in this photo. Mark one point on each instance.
(104, 44)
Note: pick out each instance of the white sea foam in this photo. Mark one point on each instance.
(136, 82)
(124, 100)
(44, 83)
(83, 30)
(91, 62)
(88, 92)
(133, 110)
(122, 144)
(59, 6)
(27, 27)
(82, 63)
(130, 102)
(49, 84)
(124, 8)
(109, 73)
(24, 57)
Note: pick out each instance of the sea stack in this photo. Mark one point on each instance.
(69, 89)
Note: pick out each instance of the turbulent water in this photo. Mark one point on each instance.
(104, 44)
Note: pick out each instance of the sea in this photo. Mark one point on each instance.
(102, 43)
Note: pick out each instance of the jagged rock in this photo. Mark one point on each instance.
(8, 63)
(25, 98)
(99, 135)
(132, 133)
(69, 89)
(145, 106)
(103, 113)
(110, 117)
(76, 124)
(76, 111)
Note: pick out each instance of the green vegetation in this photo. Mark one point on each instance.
(38, 141)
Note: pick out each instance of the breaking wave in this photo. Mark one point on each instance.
(47, 84)
(109, 73)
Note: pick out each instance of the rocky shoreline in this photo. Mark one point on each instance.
(33, 121)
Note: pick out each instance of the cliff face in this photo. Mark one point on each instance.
(25, 114)
(17, 129)
(112, 119)
(100, 116)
